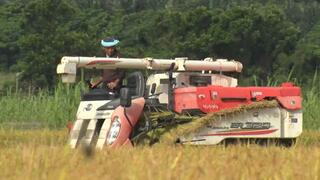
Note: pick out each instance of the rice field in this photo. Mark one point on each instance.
(43, 154)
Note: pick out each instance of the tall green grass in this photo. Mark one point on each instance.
(6, 79)
(45, 108)
(311, 104)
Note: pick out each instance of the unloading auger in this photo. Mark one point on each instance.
(68, 66)
(202, 105)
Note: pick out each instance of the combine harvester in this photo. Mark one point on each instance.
(185, 103)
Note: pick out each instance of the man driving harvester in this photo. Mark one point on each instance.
(111, 78)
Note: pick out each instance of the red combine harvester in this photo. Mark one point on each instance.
(203, 108)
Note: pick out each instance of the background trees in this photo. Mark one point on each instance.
(269, 37)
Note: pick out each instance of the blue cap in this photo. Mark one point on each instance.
(109, 42)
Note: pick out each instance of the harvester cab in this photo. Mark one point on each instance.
(100, 105)
(202, 107)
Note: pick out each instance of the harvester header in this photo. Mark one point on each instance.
(67, 67)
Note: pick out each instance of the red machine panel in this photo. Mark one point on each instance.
(215, 98)
(127, 120)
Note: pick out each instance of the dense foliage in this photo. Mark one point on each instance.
(271, 38)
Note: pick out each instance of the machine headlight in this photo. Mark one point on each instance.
(114, 130)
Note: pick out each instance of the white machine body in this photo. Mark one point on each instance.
(268, 123)
(87, 118)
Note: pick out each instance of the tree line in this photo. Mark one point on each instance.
(271, 38)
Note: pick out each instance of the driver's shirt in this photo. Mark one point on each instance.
(110, 75)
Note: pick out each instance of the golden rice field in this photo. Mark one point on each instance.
(43, 155)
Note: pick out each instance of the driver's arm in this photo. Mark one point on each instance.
(116, 83)
(113, 84)
(94, 85)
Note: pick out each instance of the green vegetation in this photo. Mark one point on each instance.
(6, 80)
(269, 37)
(42, 109)
(311, 105)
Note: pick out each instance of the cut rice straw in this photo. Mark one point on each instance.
(196, 124)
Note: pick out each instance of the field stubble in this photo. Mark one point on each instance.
(43, 154)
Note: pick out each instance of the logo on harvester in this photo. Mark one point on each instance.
(256, 93)
(250, 125)
(88, 108)
(210, 106)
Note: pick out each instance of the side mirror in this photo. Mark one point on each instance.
(125, 97)
(153, 88)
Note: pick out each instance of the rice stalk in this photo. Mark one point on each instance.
(198, 123)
